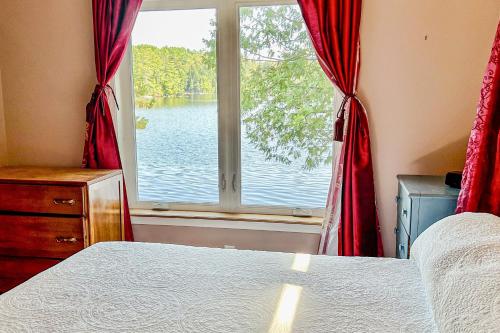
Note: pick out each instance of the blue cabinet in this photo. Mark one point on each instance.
(421, 201)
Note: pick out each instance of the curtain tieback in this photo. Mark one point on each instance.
(339, 123)
(98, 91)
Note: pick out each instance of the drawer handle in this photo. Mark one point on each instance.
(69, 202)
(66, 240)
(405, 212)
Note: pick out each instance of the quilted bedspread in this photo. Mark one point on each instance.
(459, 260)
(138, 287)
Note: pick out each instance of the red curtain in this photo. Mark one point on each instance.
(334, 31)
(113, 23)
(481, 177)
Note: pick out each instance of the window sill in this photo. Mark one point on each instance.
(227, 220)
(194, 215)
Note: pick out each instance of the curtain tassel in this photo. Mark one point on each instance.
(338, 130)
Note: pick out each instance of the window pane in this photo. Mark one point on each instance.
(174, 75)
(286, 111)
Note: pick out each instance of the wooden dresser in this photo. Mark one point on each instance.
(422, 201)
(48, 214)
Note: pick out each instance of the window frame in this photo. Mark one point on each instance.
(229, 114)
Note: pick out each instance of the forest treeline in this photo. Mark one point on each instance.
(172, 71)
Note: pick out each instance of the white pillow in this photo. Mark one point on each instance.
(459, 260)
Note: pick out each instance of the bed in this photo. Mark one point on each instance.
(450, 284)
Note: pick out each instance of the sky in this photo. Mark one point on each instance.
(181, 28)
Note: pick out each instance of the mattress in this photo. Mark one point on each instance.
(139, 287)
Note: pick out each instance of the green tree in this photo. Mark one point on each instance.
(286, 99)
(170, 71)
(147, 77)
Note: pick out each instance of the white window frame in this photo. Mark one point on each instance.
(228, 99)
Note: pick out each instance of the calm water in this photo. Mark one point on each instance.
(178, 161)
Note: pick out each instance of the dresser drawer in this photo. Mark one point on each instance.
(404, 212)
(16, 270)
(37, 236)
(402, 242)
(47, 199)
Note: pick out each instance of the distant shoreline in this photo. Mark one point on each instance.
(177, 96)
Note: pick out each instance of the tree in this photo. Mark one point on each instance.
(170, 71)
(286, 99)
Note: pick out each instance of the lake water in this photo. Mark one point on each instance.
(178, 161)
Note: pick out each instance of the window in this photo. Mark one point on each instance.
(174, 78)
(225, 108)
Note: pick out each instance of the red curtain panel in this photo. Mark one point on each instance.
(113, 23)
(333, 27)
(481, 177)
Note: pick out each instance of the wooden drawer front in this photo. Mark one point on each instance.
(402, 243)
(404, 211)
(48, 199)
(14, 271)
(48, 237)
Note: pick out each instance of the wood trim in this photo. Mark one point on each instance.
(85, 217)
(105, 210)
(122, 212)
(228, 216)
(54, 176)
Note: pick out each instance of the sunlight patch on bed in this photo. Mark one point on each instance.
(301, 262)
(285, 312)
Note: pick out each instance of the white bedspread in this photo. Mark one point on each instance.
(137, 287)
(459, 260)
